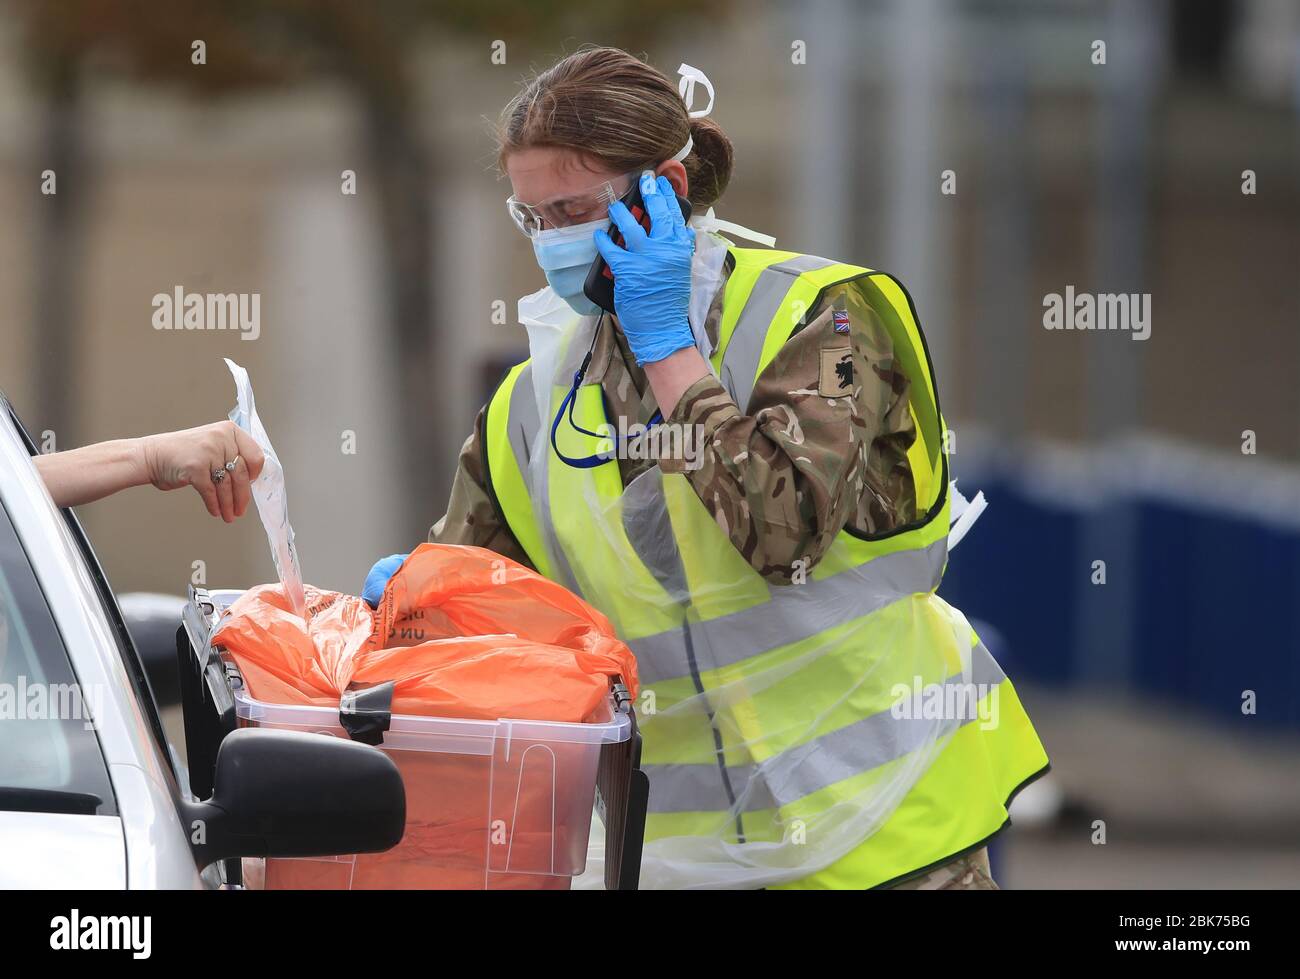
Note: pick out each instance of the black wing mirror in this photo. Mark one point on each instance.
(291, 794)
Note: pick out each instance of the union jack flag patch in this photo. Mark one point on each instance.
(840, 318)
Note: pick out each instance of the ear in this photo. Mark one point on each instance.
(676, 174)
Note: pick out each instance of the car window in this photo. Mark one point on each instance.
(50, 759)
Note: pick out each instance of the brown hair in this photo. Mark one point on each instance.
(615, 109)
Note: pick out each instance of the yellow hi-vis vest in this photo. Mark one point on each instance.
(774, 710)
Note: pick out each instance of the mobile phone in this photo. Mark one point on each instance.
(599, 287)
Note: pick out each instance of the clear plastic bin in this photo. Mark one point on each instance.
(490, 804)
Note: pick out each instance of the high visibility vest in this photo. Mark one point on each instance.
(790, 691)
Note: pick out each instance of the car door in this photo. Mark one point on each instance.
(59, 823)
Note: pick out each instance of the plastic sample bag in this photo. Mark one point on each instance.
(268, 491)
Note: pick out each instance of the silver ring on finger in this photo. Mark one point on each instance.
(230, 466)
(218, 475)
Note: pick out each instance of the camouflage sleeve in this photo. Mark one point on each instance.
(825, 445)
(472, 516)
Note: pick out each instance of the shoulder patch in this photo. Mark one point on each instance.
(836, 377)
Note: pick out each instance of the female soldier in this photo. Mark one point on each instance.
(814, 715)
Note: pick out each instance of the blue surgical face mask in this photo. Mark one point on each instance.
(565, 255)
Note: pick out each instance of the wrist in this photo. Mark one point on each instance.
(136, 455)
(665, 344)
(669, 378)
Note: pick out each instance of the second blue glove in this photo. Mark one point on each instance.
(373, 590)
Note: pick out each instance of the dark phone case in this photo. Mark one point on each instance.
(599, 287)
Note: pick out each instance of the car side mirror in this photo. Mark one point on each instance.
(292, 794)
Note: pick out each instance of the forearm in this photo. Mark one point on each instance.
(669, 378)
(90, 473)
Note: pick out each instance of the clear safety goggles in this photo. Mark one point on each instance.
(570, 208)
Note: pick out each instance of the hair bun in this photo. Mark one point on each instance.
(708, 165)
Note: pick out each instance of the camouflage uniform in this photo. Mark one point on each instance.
(825, 444)
(968, 873)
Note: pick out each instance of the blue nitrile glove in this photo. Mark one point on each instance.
(652, 273)
(373, 590)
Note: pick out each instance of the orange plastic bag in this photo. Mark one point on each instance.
(463, 633)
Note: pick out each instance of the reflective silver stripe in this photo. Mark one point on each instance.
(792, 613)
(523, 427)
(745, 347)
(807, 768)
(699, 788)
(650, 532)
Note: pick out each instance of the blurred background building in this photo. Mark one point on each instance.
(1171, 169)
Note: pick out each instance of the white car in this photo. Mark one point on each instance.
(90, 791)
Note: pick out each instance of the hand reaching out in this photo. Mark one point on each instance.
(196, 456)
(219, 460)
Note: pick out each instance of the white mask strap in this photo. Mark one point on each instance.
(708, 221)
(686, 89)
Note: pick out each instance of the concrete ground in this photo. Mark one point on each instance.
(1185, 804)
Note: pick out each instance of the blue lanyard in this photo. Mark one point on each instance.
(592, 461)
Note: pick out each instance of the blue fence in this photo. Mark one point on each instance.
(1199, 606)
